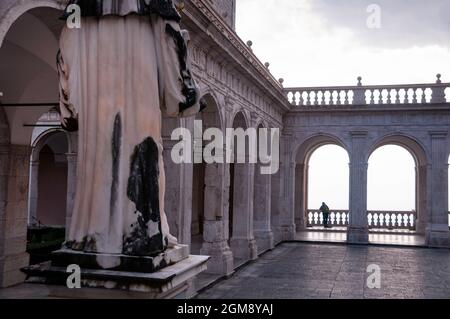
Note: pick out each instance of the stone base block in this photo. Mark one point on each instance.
(221, 262)
(65, 257)
(288, 232)
(437, 236)
(245, 249)
(264, 241)
(171, 282)
(10, 266)
(358, 235)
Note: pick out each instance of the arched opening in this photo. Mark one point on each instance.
(207, 181)
(397, 192)
(241, 238)
(321, 175)
(262, 201)
(48, 180)
(391, 185)
(327, 175)
(391, 189)
(47, 215)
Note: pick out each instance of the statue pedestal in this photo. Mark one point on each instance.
(174, 280)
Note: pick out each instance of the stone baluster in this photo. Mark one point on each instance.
(414, 99)
(372, 96)
(331, 97)
(294, 98)
(301, 100)
(338, 97)
(346, 102)
(380, 97)
(405, 97)
(316, 98)
(308, 98)
(423, 99)
(397, 96)
(388, 97)
(323, 102)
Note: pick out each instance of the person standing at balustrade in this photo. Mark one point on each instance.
(326, 213)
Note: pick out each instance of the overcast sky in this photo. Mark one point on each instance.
(328, 42)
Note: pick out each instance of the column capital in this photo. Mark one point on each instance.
(438, 134)
(356, 164)
(359, 134)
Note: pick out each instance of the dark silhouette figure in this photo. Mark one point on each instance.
(326, 213)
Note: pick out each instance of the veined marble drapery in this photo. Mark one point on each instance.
(117, 74)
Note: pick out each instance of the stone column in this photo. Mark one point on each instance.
(437, 232)
(71, 187)
(215, 226)
(242, 242)
(283, 189)
(301, 193)
(178, 194)
(358, 230)
(421, 184)
(261, 214)
(275, 207)
(14, 179)
(34, 191)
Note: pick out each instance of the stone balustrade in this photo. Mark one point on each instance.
(337, 218)
(391, 220)
(416, 94)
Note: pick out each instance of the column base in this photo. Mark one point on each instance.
(357, 235)
(300, 225)
(221, 262)
(10, 266)
(288, 232)
(245, 248)
(174, 281)
(264, 240)
(118, 262)
(437, 236)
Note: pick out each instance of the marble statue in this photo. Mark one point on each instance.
(126, 65)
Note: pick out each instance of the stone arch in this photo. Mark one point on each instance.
(421, 158)
(414, 146)
(239, 116)
(29, 35)
(41, 140)
(300, 158)
(303, 150)
(19, 9)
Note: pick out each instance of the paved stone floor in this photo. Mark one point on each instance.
(298, 271)
(377, 238)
